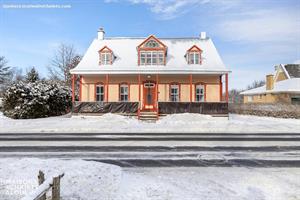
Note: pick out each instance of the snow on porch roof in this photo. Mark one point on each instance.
(125, 50)
(285, 86)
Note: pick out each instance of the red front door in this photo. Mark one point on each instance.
(149, 101)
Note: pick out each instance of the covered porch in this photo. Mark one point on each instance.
(159, 93)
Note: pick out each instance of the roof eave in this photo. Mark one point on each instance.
(271, 92)
(91, 72)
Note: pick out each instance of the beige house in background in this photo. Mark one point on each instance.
(283, 87)
(149, 76)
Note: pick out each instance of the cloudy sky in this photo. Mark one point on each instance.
(251, 35)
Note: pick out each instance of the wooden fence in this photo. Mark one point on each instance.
(45, 185)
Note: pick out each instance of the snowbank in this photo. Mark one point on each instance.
(186, 122)
(2, 116)
(84, 180)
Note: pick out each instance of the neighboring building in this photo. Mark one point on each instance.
(283, 87)
(150, 74)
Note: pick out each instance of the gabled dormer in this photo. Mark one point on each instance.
(152, 52)
(106, 56)
(193, 55)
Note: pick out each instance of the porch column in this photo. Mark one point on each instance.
(140, 103)
(226, 96)
(156, 92)
(221, 89)
(73, 88)
(191, 87)
(106, 87)
(139, 80)
(156, 88)
(80, 87)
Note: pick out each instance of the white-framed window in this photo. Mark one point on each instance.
(151, 58)
(174, 93)
(124, 92)
(106, 58)
(100, 92)
(193, 57)
(250, 98)
(199, 93)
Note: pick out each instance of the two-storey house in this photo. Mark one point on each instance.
(137, 75)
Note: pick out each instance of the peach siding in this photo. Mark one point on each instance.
(212, 86)
(134, 92)
(185, 92)
(113, 92)
(213, 94)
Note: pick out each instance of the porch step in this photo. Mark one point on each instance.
(148, 116)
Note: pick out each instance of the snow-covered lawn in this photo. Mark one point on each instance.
(82, 179)
(172, 123)
(89, 180)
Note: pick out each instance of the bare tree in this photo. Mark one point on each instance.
(65, 58)
(256, 84)
(16, 74)
(234, 96)
(5, 70)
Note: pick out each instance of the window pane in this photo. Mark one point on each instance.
(124, 92)
(148, 58)
(196, 58)
(99, 93)
(174, 94)
(154, 58)
(200, 93)
(192, 58)
(161, 58)
(102, 58)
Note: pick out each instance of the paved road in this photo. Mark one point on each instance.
(148, 150)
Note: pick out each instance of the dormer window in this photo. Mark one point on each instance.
(152, 52)
(193, 56)
(152, 58)
(106, 56)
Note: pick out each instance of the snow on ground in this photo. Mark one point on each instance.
(210, 183)
(186, 122)
(89, 180)
(82, 180)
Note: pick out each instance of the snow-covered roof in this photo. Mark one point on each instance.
(285, 86)
(126, 62)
